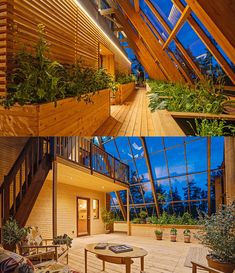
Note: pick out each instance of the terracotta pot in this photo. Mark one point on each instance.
(187, 238)
(159, 237)
(223, 267)
(173, 238)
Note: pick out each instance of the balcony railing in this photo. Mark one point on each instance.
(86, 154)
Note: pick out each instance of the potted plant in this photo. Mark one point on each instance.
(187, 235)
(63, 240)
(136, 221)
(218, 235)
(173, 234)
(158, 234)
(143, 215)
(13, 234)
(108, 219)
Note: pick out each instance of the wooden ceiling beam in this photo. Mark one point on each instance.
(148, 37)
(121, 206)
(151, 178)
(185, 14)
(218, 18)
(105, 12)
(137, 5)
(208, 43)
(178, 44)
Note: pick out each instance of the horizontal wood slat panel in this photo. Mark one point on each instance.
(70, 32)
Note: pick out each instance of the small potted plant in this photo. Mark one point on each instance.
(158, 234)
(143, 215)
(108, 219)
(218, 235)
(173, 234)
(63, 240)
(13, 235)
(187, 236)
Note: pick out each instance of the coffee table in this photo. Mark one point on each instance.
(109, 256)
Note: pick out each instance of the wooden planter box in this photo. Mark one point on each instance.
(123, 92)
(70, 117)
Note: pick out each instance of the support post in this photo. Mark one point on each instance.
(209, 173)
(54, 199)
(128, 212)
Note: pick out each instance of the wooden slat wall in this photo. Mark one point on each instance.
(10, 149)
(70, 33)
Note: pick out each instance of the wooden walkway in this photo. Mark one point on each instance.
(163, 256)
(133, 118)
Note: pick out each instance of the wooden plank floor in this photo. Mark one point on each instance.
(133, 118)
(163, 256)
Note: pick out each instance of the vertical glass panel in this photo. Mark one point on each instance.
(173, 141)
(197, 155)
(136, 195)
(113, 199)
(154, 144)
(180, 208)
(176, 161)
(179, 188)
(136, 146)
(142, 169)
(163, 190)
(198, 186)
(147, 191)
(217, 152)
(124, 148)
(198, 206)
(111, 148)
(158, 165)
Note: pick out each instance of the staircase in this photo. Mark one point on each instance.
(24, 181)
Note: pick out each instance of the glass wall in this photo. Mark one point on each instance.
(181, 168)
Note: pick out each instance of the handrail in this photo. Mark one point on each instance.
(85, 153)
(18, 179)
(196, 266)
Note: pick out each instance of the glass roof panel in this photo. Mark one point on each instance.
(176, 167)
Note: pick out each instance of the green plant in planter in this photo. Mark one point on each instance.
(35, 78)
(63, 240)
(218, 234)
(143, 215)
(173, 231)
(136, 221)
(108, 218)
(158, 234)
(187, 232)
(123, 78)
(13, 234)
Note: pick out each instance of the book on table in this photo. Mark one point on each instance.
(101, 246)
(120, 249)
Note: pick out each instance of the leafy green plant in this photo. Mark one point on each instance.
(218, 233)
(136, 221)
(187, 232)
(37, 79)
(63, 240)
(158, 232)
(206, 127)
(204, 97)
(107, 216)
(12, 233)
(122, 78)
(143, 214)
(173, 231)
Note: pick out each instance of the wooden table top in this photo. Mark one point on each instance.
(136, 253)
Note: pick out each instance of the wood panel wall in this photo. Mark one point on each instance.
(71, 33)
(10, 149)
(41, 214)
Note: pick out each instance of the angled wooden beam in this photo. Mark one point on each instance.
(146, 154)
(178, 44)
(137, 5)
(148, 37)
(208, 43)
(105, 12)
(121, 206)
(185, 14)
(218, 18)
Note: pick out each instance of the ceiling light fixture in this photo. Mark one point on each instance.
(100, 28)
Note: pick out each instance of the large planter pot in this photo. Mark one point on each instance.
(173, 238)
(159, 237)
(70, 117)
(187, 238)
(223, 267)
(123, 92)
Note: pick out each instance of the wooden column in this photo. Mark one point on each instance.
(120, 203)
(54, 199)
(230, 169)
(128, 212)
(209, 173)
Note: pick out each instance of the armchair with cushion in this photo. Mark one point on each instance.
(38, 249)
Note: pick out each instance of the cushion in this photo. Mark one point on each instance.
(53, 267)
(12, 262)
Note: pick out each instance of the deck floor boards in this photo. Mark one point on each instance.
(133, 118)
(163, 256)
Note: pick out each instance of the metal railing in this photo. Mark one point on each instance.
(85, 153)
